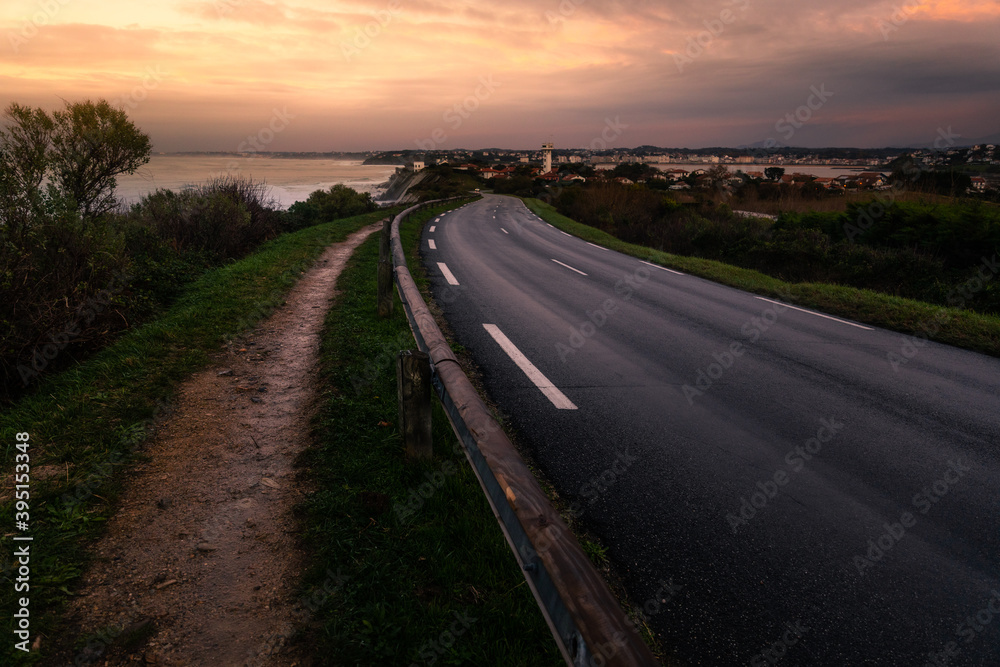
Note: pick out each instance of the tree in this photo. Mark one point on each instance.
(813, 190)
(578, 168)
(81, 149)
(718, 176)
(92, 143)
(518, 184)
(634, 171)
(774, 173)
(24, 145)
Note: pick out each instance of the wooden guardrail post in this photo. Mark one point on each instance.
(413, 383)
(385, 282)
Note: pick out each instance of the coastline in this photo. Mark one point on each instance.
(289, 179)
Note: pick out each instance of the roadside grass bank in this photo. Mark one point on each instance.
(796, 203)
(414, 565)
(89, 423)
(954, 326)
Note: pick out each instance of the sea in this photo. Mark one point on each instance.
(288, 179)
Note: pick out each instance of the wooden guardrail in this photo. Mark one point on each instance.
(586, 620)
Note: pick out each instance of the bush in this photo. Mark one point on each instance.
(225, 219)
(322, 206)
(77, 280)
(63, 264)
(60, 282)
(919, 251)
(956, 234)
(70, 281)
(75, 270)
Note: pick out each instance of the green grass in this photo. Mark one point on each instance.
(404, 576)
(88, 423)
(961, 328)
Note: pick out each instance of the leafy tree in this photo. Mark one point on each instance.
(24, 144)
(813, 190)
(774, 173)
(634, 171)
(518, 184)
(578, 168)
(717, 176)
(92, 144)
(82, 149)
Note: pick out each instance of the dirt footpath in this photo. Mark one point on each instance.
(201, 562)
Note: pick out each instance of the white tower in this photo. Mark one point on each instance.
(547, 156)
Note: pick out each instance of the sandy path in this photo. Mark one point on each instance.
(202, 554)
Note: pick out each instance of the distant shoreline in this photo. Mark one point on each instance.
(338, 157)
(289, 178)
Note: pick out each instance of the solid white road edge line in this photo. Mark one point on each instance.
(812, 312)
(536, 376)
(662, 267)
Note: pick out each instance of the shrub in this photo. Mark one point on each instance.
(322, 206)
(915, 250)
(225, 219)
(60, 283)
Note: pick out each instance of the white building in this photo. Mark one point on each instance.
(546, 157)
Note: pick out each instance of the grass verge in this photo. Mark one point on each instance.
(409, 553)
(88, 424)
(954, 326)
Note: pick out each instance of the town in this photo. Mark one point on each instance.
(832, 169)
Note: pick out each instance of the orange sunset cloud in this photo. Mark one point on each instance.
(199, 75)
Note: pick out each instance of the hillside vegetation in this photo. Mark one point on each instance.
(941, 253)
(77, 267)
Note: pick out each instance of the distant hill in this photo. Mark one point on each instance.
(991, 139)
(385, 159)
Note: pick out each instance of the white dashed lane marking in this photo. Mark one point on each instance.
(448, 275)
(569, 267)
(551, 392)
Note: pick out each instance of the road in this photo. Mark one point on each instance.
(769, 486)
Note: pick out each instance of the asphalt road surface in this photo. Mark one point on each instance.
(775, 485)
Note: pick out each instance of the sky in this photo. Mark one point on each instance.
(314, 75)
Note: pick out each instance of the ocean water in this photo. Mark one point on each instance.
(289, 179)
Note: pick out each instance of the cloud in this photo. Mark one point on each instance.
(267, 15)
(385, 71)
